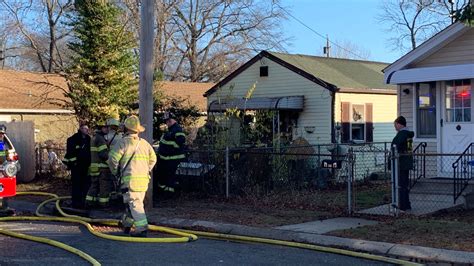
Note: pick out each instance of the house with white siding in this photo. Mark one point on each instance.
(321, 99)
(434, 87)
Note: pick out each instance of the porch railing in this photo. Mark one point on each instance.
(419, 164)
(462, 171)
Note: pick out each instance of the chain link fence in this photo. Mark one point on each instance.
(339, 179)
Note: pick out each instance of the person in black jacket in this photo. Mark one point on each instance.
(78, 160)
(171, 153)
(404, 144)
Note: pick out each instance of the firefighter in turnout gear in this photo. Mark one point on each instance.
(171, 153)
(131, 160)
(114, 135)
(101, 180)
(78, 160)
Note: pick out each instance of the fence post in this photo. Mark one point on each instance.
(227, 172)
(385, 161)
(394, 163)
(349, 181)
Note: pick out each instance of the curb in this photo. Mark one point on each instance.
(417, 253)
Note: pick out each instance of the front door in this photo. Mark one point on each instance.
(457, 129)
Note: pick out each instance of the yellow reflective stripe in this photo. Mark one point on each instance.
(73, 159)
(99, 165)
(91, 198)
(127, 178)
(93, 149)
(169, 142)
(141, 223)
(94, 173)
(2, 153)
(114, 155)
(180, 134)
(103, 200)
(137, 157)
(174, 157)
(77, 146)
(101, 148)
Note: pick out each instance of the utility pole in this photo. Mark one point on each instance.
(146, 79)
(327, 47)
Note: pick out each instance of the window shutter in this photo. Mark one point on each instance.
(345, 122)
(369, 124)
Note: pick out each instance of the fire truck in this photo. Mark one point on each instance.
(9, 167)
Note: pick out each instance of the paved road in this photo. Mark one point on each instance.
(202, 252)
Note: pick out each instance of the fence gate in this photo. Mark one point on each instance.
(22, 135)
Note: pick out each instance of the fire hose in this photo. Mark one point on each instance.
(182, 235)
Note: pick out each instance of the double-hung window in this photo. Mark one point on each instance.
(426, 110)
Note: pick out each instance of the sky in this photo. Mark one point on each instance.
(341, 20)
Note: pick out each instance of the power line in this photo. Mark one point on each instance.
(317, 33)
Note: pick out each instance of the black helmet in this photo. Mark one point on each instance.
(3, 129)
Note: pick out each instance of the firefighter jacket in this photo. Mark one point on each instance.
(172, 144)
(113, 137)
(136, 174)
(99, 154)
(78, 151)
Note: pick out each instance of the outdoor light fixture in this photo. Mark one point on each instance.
(406, 91)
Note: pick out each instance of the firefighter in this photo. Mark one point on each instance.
(171, 153)
(3, 148)
(114, 135)
(78, 160)
(101, 179)
(132, 159)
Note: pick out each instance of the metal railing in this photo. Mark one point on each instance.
(419, 164)
(462, 171)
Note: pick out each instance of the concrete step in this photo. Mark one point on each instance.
(438, 186)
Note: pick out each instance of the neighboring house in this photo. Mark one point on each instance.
(36, 97)
(435, 85)
(192, 92)
(311, 96)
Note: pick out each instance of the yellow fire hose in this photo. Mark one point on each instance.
(185, 235)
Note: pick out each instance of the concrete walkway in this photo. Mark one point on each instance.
(326, 226)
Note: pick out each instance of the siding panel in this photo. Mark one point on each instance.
(284, 82)
(459, 51)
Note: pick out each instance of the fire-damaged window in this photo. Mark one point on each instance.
(357, 125)
(260, 127)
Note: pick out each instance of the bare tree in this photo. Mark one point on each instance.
(414, 21)
(40, 24)
(205, 40)
(213, 35)
(349, 50)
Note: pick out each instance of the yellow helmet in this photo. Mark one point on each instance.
(132, 123)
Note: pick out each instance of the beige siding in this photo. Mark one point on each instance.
(284, 82)
(51, 127)
(406, 103)
(384, 111)
(459, 51)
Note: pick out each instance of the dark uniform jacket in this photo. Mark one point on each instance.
(78, 151)
(404, 143)
(172, 144)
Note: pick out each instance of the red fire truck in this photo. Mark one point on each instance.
(9, 167)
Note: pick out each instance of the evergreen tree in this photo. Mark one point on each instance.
(104, 68)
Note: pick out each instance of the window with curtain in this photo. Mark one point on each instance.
(426, 110)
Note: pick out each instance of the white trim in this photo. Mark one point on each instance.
(425, 74)
(35, 111)
(427, 48)
(439, 114)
